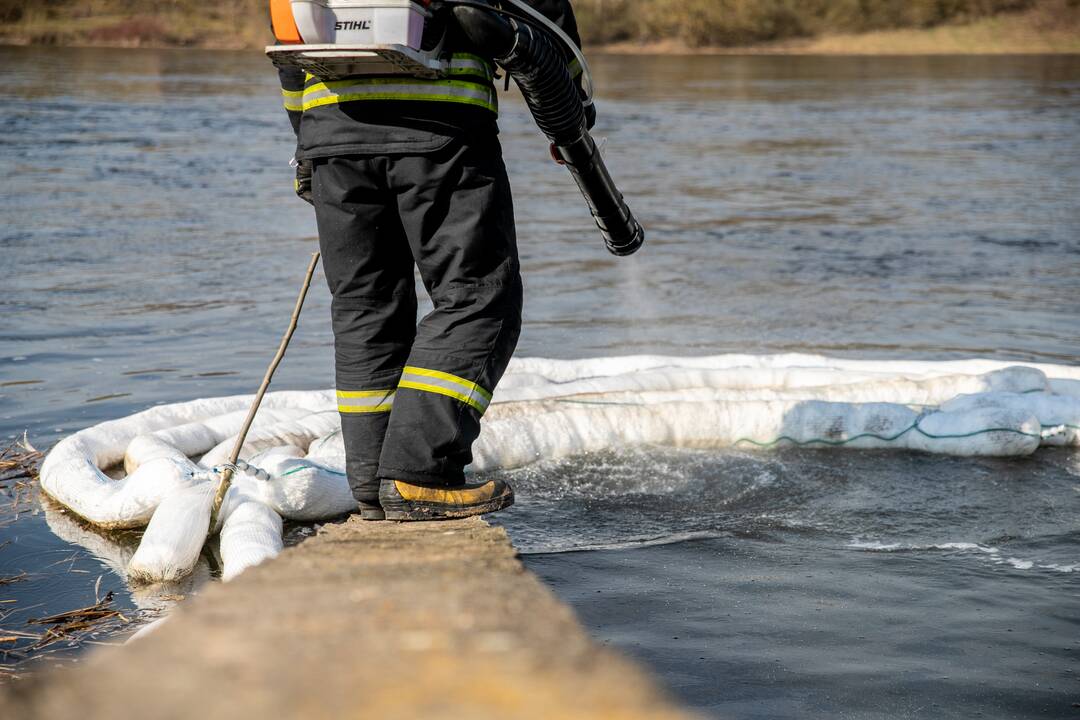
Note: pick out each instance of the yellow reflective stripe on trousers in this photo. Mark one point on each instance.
(443, 383)
(365, 401)
(400, 88)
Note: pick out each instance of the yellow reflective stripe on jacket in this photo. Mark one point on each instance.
(293, 100)
(365, 401)
(469, 83)
(443, 383)
(404, 88)
(574, 67)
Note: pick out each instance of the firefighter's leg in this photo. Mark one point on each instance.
(457, 211)
(369, 269)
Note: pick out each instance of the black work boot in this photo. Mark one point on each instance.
(371, 511)
(365, 488)
(401, 500)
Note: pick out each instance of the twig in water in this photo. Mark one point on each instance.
(67, 624)
(19, 462)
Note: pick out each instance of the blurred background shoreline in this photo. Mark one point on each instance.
(856, 27)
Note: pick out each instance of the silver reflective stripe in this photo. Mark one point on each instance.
(464, 64)
(365, 401)
(293, 100)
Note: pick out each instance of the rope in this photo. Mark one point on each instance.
(308, 467)
(216, 472)
(886, 438)
(837, 443)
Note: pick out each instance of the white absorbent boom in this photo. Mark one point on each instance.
(292, 461)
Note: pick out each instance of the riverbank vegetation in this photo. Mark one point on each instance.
(225, 24)
(863, 26)
(733, 23)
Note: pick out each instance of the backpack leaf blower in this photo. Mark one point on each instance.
(336, 38)
(525, 51)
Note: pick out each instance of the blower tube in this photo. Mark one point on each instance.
(540, 71)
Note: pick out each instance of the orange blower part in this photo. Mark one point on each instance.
(285, 29)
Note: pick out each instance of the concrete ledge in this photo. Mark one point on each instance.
(420, 620)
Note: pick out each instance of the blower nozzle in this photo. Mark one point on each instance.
(623, 234)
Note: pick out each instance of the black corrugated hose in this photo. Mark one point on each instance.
(540, 71)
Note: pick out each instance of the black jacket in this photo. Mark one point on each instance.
(379, 127)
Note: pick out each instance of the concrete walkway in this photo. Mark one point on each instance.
(381, 620)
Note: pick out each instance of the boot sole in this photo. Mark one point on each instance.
(419, 512)
(371, 512)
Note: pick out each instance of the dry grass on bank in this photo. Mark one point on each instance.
(225, 24)
(1051, 26)
(1032, 33)
(772, 26)
(741, 23)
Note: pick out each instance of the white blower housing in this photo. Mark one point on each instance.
(339, 38)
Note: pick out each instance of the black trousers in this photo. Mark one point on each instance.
(411, 395)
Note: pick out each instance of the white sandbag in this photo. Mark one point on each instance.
(1059, 415)
(524, 371)
(195, 438)
(329, 450)
(537, 387)
(871, 425)
(75, 482)
(1058, 386)
(250, 534)
(173, 540)
(991, 432)
(298, 431)
(672, 384)
(565, 430)
(928, 392)
(981, 432)
(274, 453)
(303, 490)
(72, 472)
(554, 430)
(106, 442)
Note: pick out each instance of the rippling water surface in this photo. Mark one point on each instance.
(910, 207)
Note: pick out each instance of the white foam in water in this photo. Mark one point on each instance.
(878, 546)
(638, 542)
(989, 553)
(546, 409)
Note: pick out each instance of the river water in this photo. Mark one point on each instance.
(875, 208)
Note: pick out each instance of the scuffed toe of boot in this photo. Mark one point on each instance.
(405, 501)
